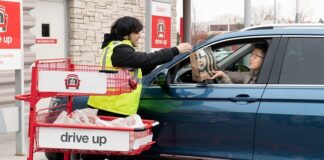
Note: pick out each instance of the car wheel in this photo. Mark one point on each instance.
(137, 157)
(54, 156)
(59, 156)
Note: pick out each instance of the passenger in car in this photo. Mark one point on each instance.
(256, 60)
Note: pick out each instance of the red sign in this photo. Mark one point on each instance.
(46, 41)
(181, 29)
(10, 25)
(161, 32)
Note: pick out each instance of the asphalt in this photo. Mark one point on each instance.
(8, 149)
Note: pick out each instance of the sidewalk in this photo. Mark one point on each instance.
(8, 149)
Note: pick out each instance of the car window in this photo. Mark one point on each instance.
(238, 62)
(231, 57)
(303, 62)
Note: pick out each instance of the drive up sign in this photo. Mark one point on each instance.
(10, 35)
(161, 25)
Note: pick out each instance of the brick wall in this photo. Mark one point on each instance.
(90, 19)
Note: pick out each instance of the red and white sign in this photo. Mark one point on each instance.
(72, 82)
(10, 35)
(46, 41)
(161, 25)
(10, 25)
(74, 138)
(94, 139)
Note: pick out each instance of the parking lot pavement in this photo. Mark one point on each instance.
(8, 149)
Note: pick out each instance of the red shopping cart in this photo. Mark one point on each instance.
(60, 77)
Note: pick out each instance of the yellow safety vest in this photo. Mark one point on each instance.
(127, 103)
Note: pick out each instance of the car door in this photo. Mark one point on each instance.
(205, 120)
(290, 120)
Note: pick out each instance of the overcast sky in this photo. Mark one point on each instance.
(208, 10)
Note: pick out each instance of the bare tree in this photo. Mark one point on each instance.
(305, 15)
(320, 20)
(262, 14)
(306, 12)
(230, 18)
(194, 24)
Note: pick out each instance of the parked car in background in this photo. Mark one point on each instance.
(279, 117)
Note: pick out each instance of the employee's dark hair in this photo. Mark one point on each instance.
(123, 26)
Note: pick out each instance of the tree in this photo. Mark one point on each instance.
(262, 15)
(320, 20)
(194, 24)
(230, 18)
(305, 15)
(240, 25)
(199, 37)
(306, 12)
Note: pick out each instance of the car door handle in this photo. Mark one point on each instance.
(243, 98)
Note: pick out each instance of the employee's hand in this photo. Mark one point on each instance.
(184, 47)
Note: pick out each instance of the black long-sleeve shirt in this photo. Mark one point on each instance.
(126, 56)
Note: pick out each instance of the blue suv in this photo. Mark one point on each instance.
(281, 116)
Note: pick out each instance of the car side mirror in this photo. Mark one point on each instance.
(163, 80)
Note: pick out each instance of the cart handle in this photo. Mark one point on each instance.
(24, 97)
(145, 128)
(116, 71)
(108, 71)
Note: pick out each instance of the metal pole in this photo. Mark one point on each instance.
(20, 135)
(148, 25)
(247, 13)
(298, 11)
(275, 12)
(19, 89)
(187, 21)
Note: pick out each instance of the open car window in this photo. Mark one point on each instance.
(228, 56)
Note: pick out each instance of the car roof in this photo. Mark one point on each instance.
(269, 30)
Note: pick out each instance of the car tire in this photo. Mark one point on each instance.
(137, 157)
(54, 156)
(60, 156)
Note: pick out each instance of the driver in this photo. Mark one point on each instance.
(256, 61)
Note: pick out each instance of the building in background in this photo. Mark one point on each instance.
(223, 27)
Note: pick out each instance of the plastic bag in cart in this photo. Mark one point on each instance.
(89, 116)
(132, 121)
